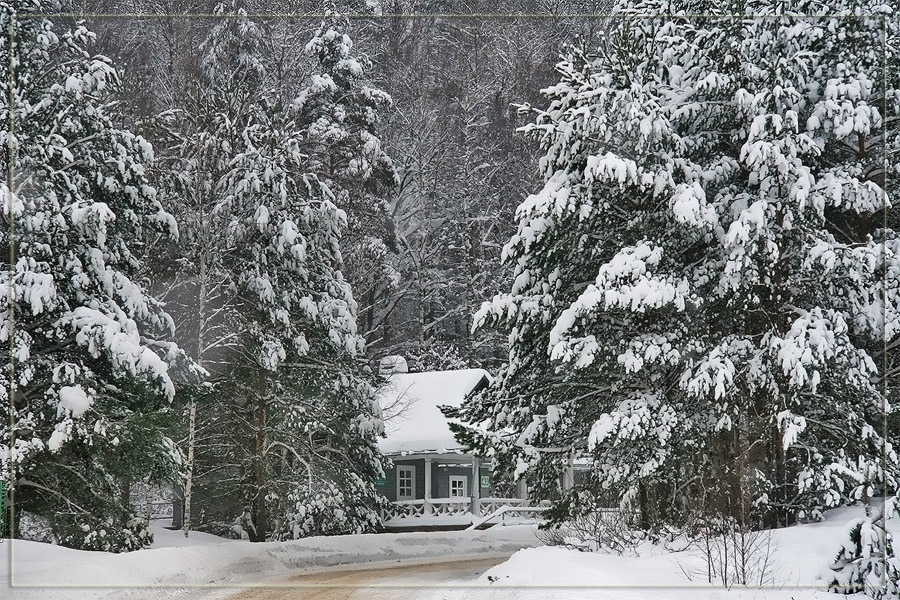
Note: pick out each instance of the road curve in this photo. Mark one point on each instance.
(374, 583)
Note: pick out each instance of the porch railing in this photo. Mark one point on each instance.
(489, 505)
(411, 510)
(427, 507)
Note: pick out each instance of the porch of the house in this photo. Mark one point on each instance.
(450, 491)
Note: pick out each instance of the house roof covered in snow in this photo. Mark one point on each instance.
(414, 423)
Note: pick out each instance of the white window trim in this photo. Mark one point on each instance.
(465, 485)
(412, 487)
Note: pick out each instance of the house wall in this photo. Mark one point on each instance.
(441, 487)
(440, 479)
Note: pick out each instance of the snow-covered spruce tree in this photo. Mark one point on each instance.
(298, 403)
(699, 280)
(193, 147)
(92, 373)
(866, 561)
(339, 111)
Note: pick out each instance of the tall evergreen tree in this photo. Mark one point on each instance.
(92, 374)
(700, 281)
(294, 422)
(192, 278)
(340, 113)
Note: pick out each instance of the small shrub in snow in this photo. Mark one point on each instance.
(104, 534)
(734, 554)
(435, 355)
(596, 530)
(36, 528)
(602, 530)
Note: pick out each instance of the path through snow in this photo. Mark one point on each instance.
(386, 582)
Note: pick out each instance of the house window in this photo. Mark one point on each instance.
(458, 486)
(406, 483)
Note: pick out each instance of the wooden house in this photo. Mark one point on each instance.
(434, 481)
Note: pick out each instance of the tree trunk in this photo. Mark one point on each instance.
(740, 475)
(258, 508)
(421, 315)
(369, 313)
(644, 506)
(125, 493)
(192, 418)
(189, 476)
(778, 496)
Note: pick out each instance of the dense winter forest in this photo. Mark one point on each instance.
(315, 187)
(669, 237)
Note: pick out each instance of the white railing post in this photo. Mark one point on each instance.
(476, 485)
(428, 506)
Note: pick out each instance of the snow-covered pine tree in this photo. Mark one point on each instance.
(339, 111)
(194, 137)
(298, 403)
(92, 374)
(699, 280)
(866, 561)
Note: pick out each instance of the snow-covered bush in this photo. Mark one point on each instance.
(105, 534)
(587, 522)
(434, 355)
(594, 531)
(36, 528)
(225, 529)
(867, 561)
(330, 509)
(85, 532)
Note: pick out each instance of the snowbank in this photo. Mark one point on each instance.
(800, 558)
(204, 560)
(176, 567)
(167, 538)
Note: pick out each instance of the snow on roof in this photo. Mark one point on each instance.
(414, 423)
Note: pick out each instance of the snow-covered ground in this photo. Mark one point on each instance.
(800, 563)
(205, 566)
(205, 560)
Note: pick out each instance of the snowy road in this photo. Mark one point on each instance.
(385, 582)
